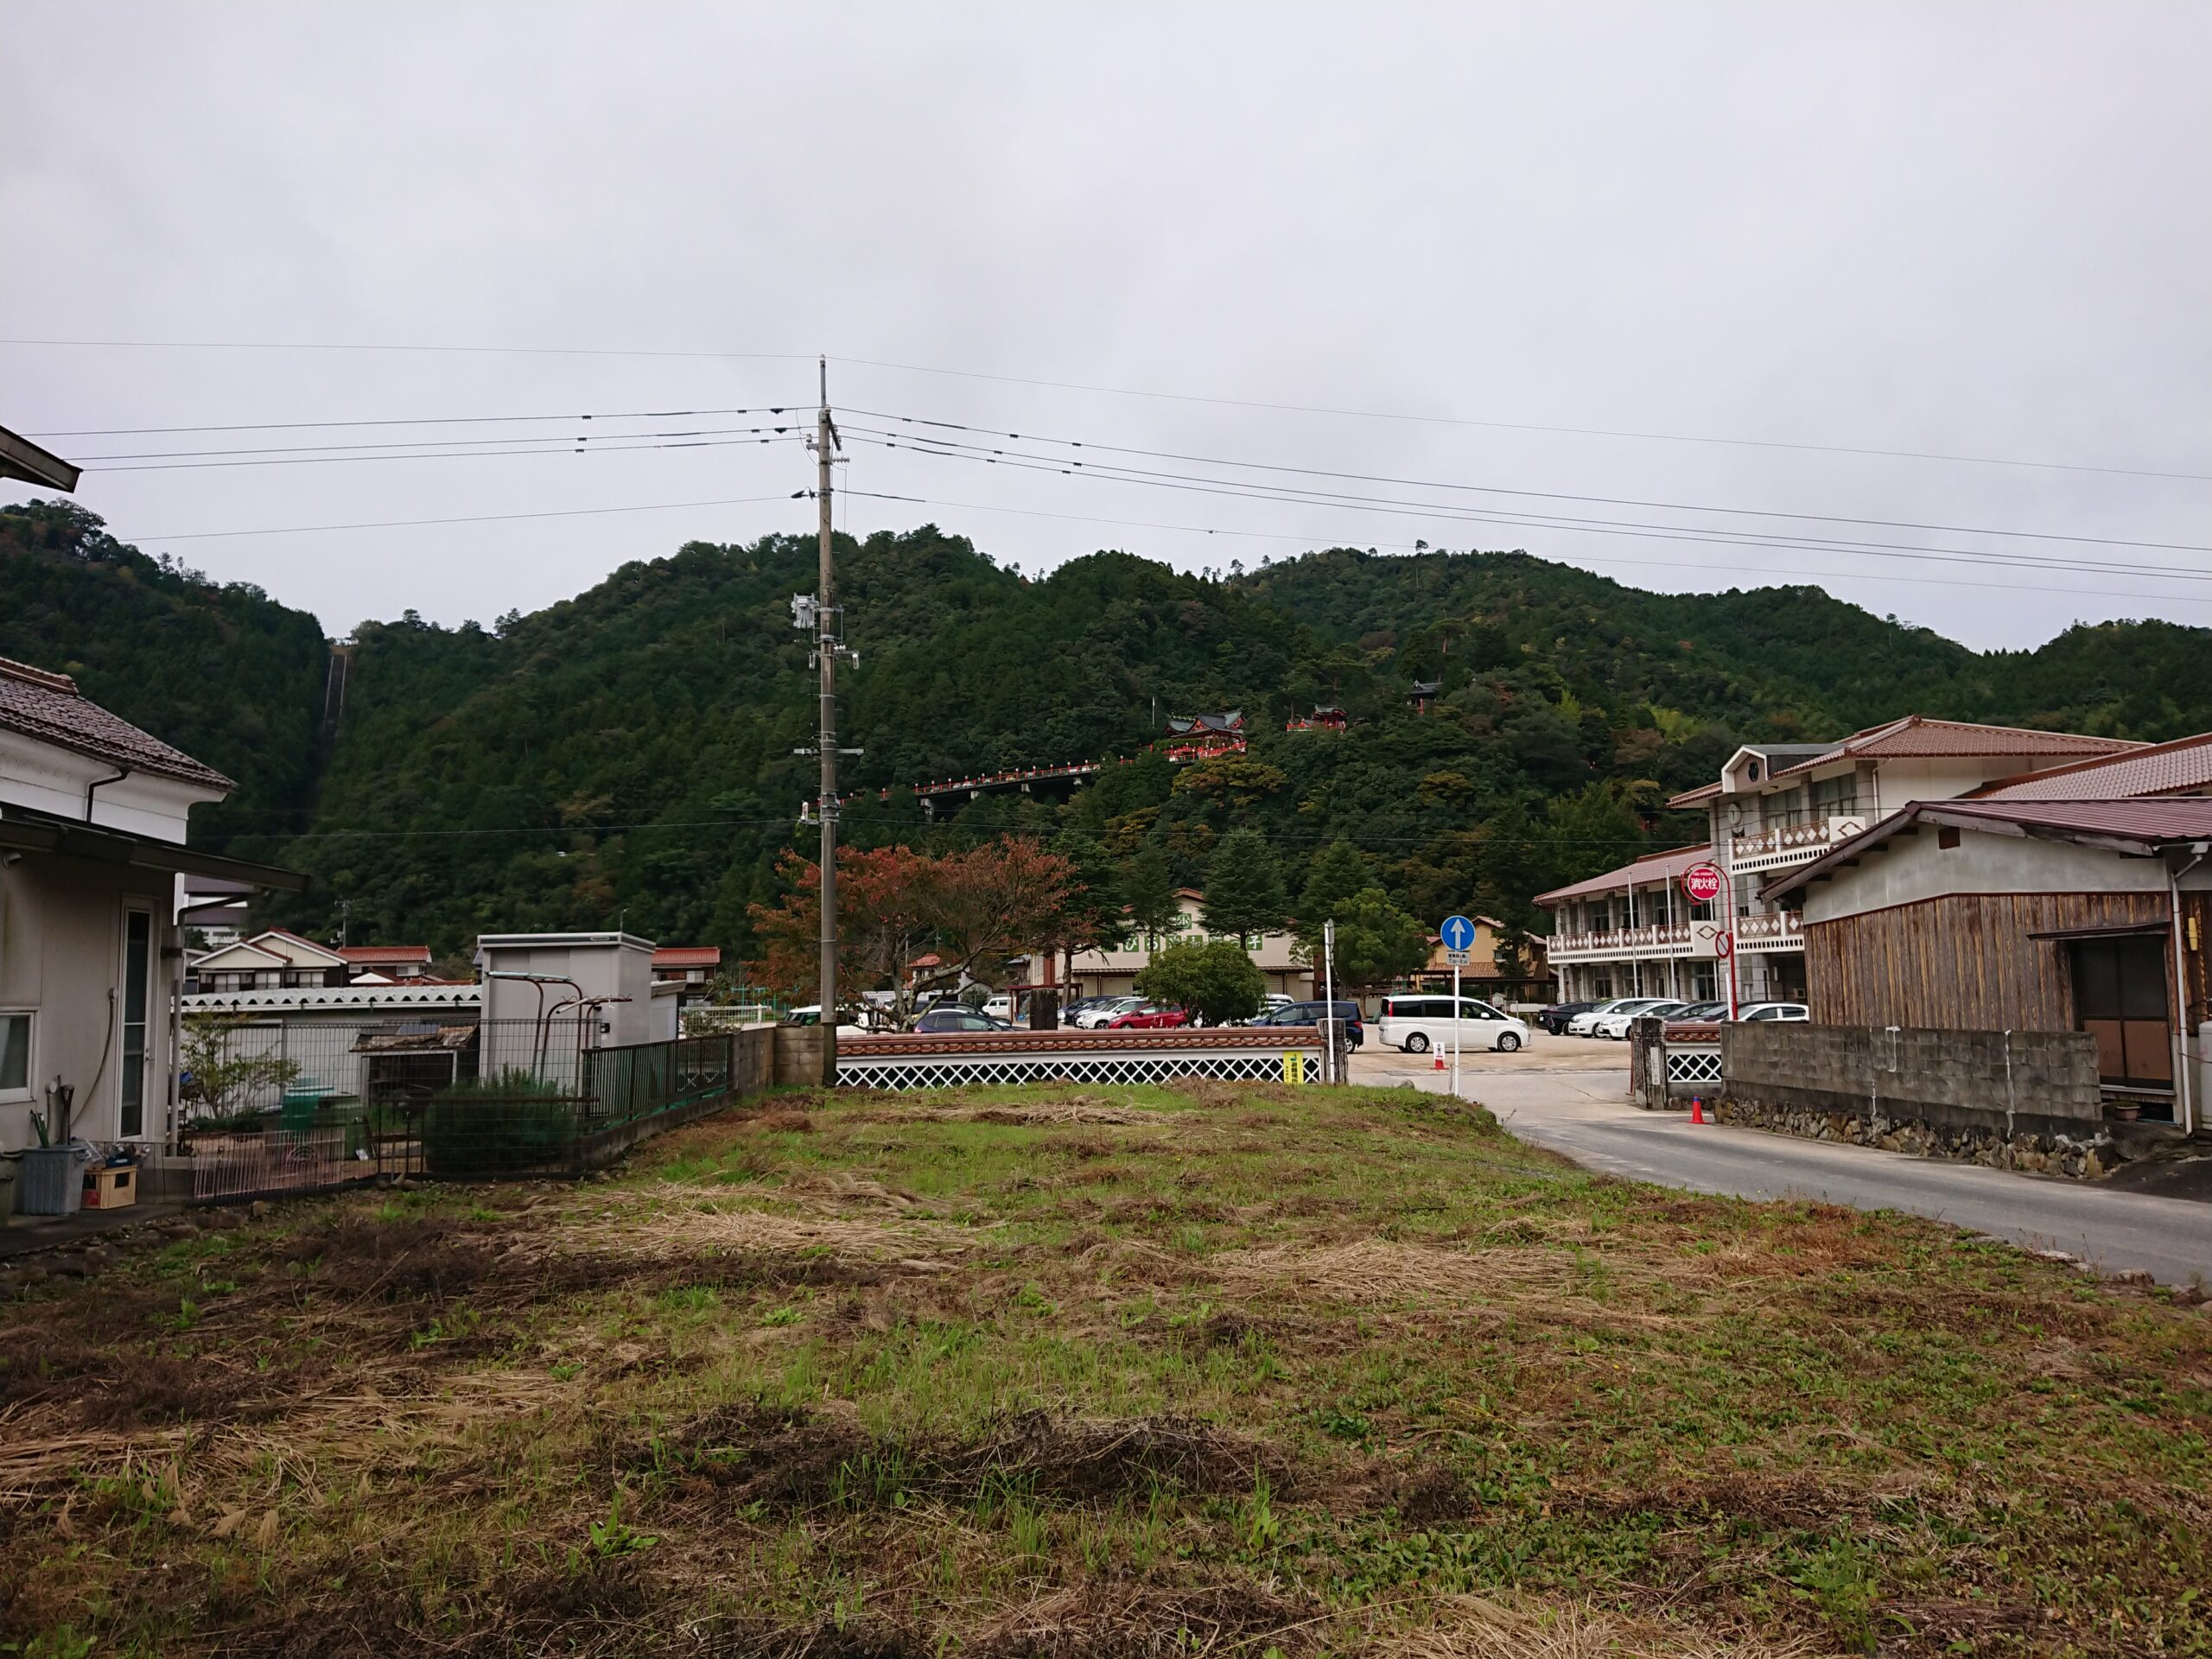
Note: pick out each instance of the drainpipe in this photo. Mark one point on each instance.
(2181, 986)
(98, 783)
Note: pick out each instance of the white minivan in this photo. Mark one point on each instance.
(1420, 1023)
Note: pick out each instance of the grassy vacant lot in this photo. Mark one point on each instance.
(1221, 1369)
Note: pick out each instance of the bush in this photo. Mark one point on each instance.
(501, 1125)
(1216, 981)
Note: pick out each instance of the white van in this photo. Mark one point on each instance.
(1418, 1023)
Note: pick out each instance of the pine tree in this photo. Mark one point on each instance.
(1148, 890)
(1338, 875)
(1244, 896)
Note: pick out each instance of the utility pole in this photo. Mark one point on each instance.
(826, 642)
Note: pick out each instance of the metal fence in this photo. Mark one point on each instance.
(278, 1105)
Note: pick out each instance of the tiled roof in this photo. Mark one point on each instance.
(2129, 826)
(1917, 736)
(688, 956)
(1645, 872)
(49, 707)
(364, 956)
(2151, 820)
(2175, 768)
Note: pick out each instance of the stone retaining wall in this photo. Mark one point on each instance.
(2026, 1100)
(2085, 1155)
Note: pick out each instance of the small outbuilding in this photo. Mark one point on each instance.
(2026, 916)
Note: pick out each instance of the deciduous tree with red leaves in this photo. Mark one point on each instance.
(975, 908)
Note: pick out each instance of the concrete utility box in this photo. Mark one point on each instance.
(596, 964)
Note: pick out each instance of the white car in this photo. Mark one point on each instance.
(1774, 1011)
(1001, 1007)
(1616, 1025)
(1418, 1023)
(1096, 1018)
(1581, 1024)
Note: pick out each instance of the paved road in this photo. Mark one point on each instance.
(1571, 1095)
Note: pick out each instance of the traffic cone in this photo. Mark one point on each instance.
(1440, 1063)
(1697, 1109)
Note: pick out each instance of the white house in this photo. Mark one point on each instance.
(92, 819)
(1775, 806)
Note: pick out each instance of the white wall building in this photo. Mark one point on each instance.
(93, 820)
(1775, 806)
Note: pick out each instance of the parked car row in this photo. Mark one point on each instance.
(1612, 1019)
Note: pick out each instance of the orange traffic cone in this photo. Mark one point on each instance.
(1697, 1109)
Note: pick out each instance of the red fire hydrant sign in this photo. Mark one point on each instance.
(1702, 883)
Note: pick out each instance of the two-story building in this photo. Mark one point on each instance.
(1774, 807)
(1095, 972)
(93, 820)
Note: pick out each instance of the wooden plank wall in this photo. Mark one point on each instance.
(1961, 963)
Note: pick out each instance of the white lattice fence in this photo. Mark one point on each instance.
(962, 1071)
(1686, 1065)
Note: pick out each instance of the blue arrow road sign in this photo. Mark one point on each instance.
(1459, 933)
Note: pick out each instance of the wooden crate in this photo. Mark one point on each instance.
(111, 1189)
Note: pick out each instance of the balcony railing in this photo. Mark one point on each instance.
(1624, 944)
(1790, 844)
(1783, 931)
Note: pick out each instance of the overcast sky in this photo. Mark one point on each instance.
(1961, 230)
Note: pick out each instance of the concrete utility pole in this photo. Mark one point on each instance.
(826, 641)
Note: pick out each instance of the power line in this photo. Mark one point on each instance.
(464, 351)
(1637, 565)
(1122, 391)
(1538, 495)
(458, 445)
(316, 460)
(1524, 426)
(417, 420)
(1237, 490)
(471, 519)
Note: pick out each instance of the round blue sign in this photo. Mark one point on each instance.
(1458, 933)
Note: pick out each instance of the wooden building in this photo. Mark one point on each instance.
(2016, 915)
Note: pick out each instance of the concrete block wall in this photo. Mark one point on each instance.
(1905, 1071)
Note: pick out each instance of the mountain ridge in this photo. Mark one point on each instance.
(626, 756)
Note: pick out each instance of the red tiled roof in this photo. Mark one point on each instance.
(1917, 736)
(688, 956)
(365, 955)
(1649, 871)
(50, 707)
(2175, 768)
(2125, 826)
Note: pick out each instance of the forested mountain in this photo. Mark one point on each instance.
(627, 755)
(226, 673)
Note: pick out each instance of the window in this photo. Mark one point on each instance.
(2119, 999)
(14, 1054)
(137, 965)
(1836, 797)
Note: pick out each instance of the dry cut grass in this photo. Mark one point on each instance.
(1208, 1368)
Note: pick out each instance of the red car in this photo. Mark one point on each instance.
(1151, 1017)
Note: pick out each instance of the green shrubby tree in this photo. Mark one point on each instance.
(1214, 980)
(1376, 942)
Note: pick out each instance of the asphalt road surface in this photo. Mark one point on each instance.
(1571, 1095)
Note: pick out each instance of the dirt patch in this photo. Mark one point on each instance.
(1772, 1503)
(782, 1122)
(1117, 1619)
(1433, 1496)
(419, 1257)
(795, 1458)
